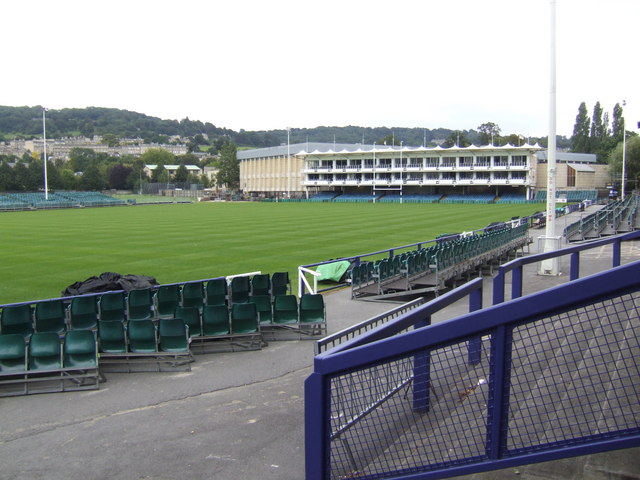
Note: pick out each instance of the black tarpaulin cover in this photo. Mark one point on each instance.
(108, 281)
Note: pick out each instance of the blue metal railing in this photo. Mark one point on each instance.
(467, 395)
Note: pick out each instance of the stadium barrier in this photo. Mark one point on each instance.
(541, 377)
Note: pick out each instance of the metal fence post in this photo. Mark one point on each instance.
(574, 273)
(474, 348)
(616, 252)
(498, 286)
(421, 375)
(316, 422)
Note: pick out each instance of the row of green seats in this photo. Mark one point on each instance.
(47, 351)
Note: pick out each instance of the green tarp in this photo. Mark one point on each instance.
(332, 271)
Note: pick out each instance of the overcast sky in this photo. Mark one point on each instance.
(260, 65)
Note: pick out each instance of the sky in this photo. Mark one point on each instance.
(256, 65)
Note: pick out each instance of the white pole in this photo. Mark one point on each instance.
(401, 172)
(624, 154)
(44, 150)
(288, 164)
(550, 267)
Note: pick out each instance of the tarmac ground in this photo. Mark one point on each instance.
(235, 415)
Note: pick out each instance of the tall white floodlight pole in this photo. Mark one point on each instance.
(550, 267)
(44, 149)
(288, 163)
(624, 153)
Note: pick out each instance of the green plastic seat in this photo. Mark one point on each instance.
(264, 307)
(50, 317)
(111, 306)
(261, 284)
(17, 319)
(216, 291)
(13, 353)
(45, 351)
(173, 335)
(142, 336)
(193, 295)
(312, 309)
(215, 320)
(280, 284)
(112, 336)
(139, 304)
(244, 318)
(166, 299)
(191, 318)
(80, 349)
(285, 309)
(83, 313)
(240, 288)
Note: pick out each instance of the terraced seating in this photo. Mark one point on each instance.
(48, 362)
(468, 198)
(429, 268)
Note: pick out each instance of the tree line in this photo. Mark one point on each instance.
(26, 123)
(87, 170)
(603, 136)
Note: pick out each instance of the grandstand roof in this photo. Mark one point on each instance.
(569, 157)
(295, 149)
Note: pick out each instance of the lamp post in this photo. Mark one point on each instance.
(550, 242)
(44, 150)
(624, 153)
(288, 163)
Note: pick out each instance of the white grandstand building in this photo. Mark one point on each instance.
(308, 168)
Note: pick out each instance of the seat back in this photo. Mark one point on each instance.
(264, 308)
(139, 304)
(13, 353)
(217, 291)
(193, 295)
(312, 309)
(111, 306)
(166, 299)
(142, 336)
(111, 334)
(191, 318)
(244, 318)
(280, 283)
(173, 335)
(17, 319)
(80, 349)
(83, 313)
(215, 320)
(240, 288)
(45, 351)
(285, 309)
(50, 317)
(261, 284)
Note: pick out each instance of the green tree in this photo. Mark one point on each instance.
(81, 158)
(157, 156)
(632, 162)
(617, 123)
(110, 139)
(489, 133)
(389, 140)
(580, 137)
(159, 174)
(181, 175)
(119, 177)
(69, 180)
(597, 126)
(456, 139)
(228, 167)
(92, 179)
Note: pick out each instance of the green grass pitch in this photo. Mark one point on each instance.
(45, 251)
